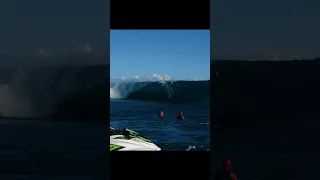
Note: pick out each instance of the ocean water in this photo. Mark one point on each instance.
(266, 119)
(41, 149)
(135, 105)
(271, 152)
(71, 142)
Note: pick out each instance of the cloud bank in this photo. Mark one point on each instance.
(152, 77)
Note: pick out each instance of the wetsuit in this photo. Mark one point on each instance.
(180, 117)
(160, 114)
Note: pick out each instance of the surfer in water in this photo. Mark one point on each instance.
(225, 173)
(160, 114)
(180, 116)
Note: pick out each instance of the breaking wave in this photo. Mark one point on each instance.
(165, 91)
(57, 91)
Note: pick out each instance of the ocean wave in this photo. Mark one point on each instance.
(165, 91)
(59, 91)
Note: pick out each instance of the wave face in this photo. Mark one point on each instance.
(57, 91)
(169, 91)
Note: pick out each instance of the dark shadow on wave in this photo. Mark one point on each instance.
(178, 92)
(89, 106)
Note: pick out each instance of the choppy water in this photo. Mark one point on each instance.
(135, 104)
(193, 133)
(34, 149)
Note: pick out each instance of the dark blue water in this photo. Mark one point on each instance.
(271, 152)
(266, 118)
(138, 111)
(33, 149)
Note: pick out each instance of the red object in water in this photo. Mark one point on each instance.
(227, 163)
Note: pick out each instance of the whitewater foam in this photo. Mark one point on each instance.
(123, 87)
(121, 90)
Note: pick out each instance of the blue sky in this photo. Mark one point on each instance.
(181, 54)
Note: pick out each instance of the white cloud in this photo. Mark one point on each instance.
(153, 77)
(196, 79)
(160, 77)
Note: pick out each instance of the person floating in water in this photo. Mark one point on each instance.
(180, 116)
(225, 173)
(160, 114)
